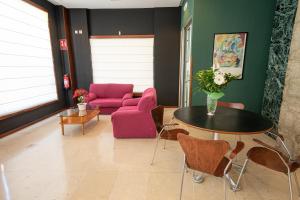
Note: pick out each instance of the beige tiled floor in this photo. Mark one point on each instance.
(39, 163)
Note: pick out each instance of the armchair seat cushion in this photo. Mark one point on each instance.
(127, 108)
(107, 102)
(131, 102)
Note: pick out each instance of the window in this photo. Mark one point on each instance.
(123, 60)
(27, 75)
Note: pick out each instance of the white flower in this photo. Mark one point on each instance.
(219, 72)
(219, 79)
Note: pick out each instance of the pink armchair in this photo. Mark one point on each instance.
(135, 120)
(109, 97)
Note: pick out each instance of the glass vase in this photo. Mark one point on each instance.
(211, 105)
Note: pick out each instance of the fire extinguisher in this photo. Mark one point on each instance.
(66, 81)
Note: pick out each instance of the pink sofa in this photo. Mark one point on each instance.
(134, 119)
(109, 97)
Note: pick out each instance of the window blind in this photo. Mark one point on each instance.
(123, 60)
(26, 65)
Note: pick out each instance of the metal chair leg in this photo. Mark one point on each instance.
(165, 144)
(155, 149)
(297, 183)
(290, 185)
(241, 174)
(182, 178)
(225, 188)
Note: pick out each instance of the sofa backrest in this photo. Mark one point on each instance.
(148, 100)
(111, 90)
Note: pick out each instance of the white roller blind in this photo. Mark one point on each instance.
(26, 64)
(123, 60)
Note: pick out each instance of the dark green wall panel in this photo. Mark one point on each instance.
(218, 16)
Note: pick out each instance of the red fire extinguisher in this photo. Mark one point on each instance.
(66, 81)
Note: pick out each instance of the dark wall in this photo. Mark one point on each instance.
(81, 47)
(167, 54)
(164, 23)
(128, 21)
(218, 16)
(22, 119)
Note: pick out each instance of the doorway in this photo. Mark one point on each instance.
(186, 67)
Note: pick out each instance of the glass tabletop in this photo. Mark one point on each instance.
(75, 112)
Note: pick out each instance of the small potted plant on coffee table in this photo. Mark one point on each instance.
(80, 96)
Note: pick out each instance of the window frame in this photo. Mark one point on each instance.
(54, 69)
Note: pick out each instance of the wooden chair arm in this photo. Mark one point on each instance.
(238, 148)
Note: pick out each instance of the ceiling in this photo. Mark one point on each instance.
(110, 4)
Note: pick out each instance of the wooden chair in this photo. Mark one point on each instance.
(207, 156)
(165, 131)
(277, 159)
(240, 106)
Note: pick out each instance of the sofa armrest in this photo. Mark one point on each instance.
(127, 96)
(90, 97)
(131, 102)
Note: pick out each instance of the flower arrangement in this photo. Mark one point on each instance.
(80, 95)
(212, 81)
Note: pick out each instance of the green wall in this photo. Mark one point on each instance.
(219, 16)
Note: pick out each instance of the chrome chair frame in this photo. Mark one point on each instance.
(159, 137)
(185, 169)
(283, 160)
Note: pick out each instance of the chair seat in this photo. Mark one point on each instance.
(219, 172)
(172, 133)
(270, 159)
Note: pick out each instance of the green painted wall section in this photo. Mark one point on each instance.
(219, 16)
(186, 14)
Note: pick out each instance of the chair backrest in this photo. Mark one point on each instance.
(240, 106)
(158, 117)
(268, 158)
(111, 90)
(203, 155)
(148, 100)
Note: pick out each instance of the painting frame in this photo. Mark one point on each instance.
(236, 61)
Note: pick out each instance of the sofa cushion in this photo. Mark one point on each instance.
(128, 108)
(111, 90)
(107, 102)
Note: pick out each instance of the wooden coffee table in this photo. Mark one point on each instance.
(74, 116)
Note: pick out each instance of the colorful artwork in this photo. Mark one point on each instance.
(229, 51)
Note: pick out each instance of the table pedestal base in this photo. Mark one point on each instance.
(198, 178)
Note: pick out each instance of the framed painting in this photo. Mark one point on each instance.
(229, 52)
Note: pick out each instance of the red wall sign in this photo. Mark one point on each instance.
(63, 44)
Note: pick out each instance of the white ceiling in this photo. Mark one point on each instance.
(107, 4)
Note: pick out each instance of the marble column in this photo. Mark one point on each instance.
(278, 58)
(289, 121)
